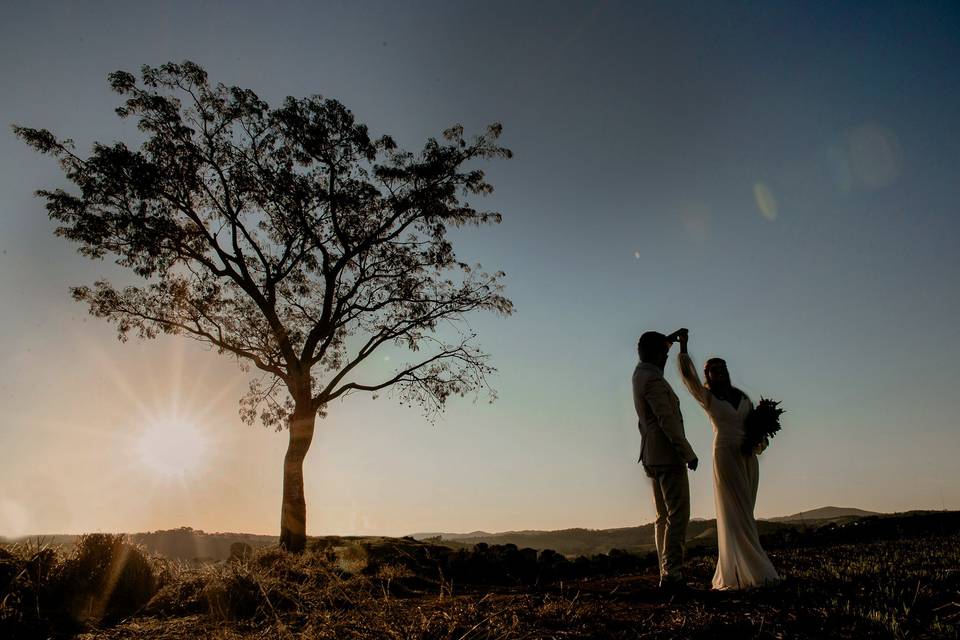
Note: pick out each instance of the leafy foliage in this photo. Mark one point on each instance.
(287, 237)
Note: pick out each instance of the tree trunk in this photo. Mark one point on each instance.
(293, 516)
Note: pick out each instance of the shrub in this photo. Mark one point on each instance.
(104, 578)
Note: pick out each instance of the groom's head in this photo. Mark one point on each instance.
(653, 348)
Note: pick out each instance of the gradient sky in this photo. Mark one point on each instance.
(781, 178)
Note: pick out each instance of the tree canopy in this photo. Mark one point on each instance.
(287, 237)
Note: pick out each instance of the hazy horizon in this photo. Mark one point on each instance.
(409, 533)
(783, 179)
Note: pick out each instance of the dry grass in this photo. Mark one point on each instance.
(891, 588)
(102, 580)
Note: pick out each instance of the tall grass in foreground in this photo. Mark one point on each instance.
(106, 589)
(102, 579)
(107, 586)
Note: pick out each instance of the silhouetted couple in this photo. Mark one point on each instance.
(666, 455)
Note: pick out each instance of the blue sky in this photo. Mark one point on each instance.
(781, 178)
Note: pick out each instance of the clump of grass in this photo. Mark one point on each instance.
(44, 591)
(26, 594)
(104, 578)
(235, 594)
(16, 603)
(271, 583)
(181, 594)
(311, 595)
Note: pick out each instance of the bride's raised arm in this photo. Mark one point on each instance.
(691, 379)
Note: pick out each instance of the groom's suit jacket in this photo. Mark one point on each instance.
(664, 442)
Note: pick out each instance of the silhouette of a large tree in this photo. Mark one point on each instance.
(288, 238)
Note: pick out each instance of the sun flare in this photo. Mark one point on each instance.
(172, 448)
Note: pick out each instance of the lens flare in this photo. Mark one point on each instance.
(869, 158)
(874, 155)
(765, 201)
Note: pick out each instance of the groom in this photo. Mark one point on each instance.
(665, 454)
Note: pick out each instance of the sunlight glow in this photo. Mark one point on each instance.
(14, 519)
(172, 448)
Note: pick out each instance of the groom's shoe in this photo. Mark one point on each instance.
(671, 581)
(676, 588)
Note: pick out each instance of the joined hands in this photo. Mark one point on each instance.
(681, 336)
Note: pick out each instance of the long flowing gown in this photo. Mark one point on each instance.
(741, 561)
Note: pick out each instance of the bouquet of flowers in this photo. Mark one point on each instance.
(762, 423)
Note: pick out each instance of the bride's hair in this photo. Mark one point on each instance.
(706, 368)
(706, 376)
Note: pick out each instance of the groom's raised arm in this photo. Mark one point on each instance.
(658, 395)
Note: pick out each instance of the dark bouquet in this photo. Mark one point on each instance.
(762, 423)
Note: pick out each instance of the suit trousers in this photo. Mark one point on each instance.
(671, 494)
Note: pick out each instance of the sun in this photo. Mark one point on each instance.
(172, 448)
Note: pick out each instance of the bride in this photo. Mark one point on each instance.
(741, 562)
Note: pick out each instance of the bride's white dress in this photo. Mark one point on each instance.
(741, 562)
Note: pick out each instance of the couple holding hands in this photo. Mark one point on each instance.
(666, 455)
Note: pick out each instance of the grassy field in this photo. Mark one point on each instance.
(873, 578)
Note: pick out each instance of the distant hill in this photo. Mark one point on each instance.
(588, 542)
(184, 543)
(573, 542)
(825, 513)
(456, 536)
(198, 546)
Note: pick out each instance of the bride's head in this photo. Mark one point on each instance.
(716, 375)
